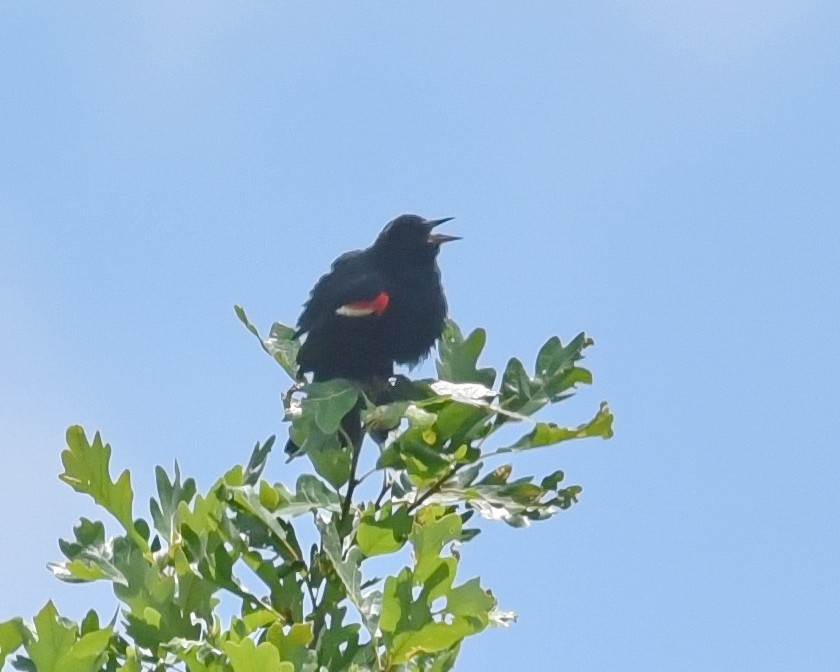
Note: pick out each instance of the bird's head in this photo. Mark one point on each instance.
(411, 239)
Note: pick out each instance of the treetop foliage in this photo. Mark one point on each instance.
(315, 607)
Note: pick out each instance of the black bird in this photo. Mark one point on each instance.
(376, 307)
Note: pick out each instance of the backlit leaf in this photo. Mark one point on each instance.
(86, 470)
(546, 434)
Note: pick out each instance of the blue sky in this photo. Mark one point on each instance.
(661, 175)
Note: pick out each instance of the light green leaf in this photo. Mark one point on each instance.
(90, 648)
(12, 635)
(430, 638)
(57, 647)
(347, 568)
(381, 531)
(90, 556)
(259, 618)
(555, 377)
(330, 459)
(458, 357)
(429, 537)
(315, 428)
(470, 600)
(87, 570)
(418, 452)
(280, 344)
(151, 597)
(294, 645)
(86, 470)
(54, 639)
(546, 434)
(199, 656)
(330, 401)
(311, 494)
(261, 525)
(246, 656)
(132, 664)
(410, 628)
(170, 495)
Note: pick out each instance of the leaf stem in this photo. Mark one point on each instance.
(436, 486)
(386, 484)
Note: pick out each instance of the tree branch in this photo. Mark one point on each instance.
(353, 482)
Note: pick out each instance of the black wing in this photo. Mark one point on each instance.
(353, 277)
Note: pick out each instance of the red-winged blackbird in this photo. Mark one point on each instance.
(376, 307)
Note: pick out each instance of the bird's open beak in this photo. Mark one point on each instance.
(440, 238)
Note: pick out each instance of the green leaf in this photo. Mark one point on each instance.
(399, 609)
(280, 344)
(412, 631)
(246, 656)
(294, 644)
(474, 394)
(338, 643)
(132, 664)
(383, 531)
(347, 568)
(462, 423)
(12, 635)
(517, 390)
(388, 416)
(262, 526)
(89, 651)
(152, 598)
(170, 494)
(551, 481)
(198, 655)
(57, 646)
(471, 601)
(330, 459)
(90, 556)
(418, 452)
(285, 584)
(78, 571)
(440, 661)
(86, 470)
(546, 434)
(315, 428)
(517, 503)
(257, 461)
(259, 618)
(90, 622)
(311, 494)
(204, 518)
(458, 357)
(555, 375)
(418, 417)
(429, 537)
(330, 401)
(195, 592)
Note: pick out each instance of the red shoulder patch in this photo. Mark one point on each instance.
(375, 306)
